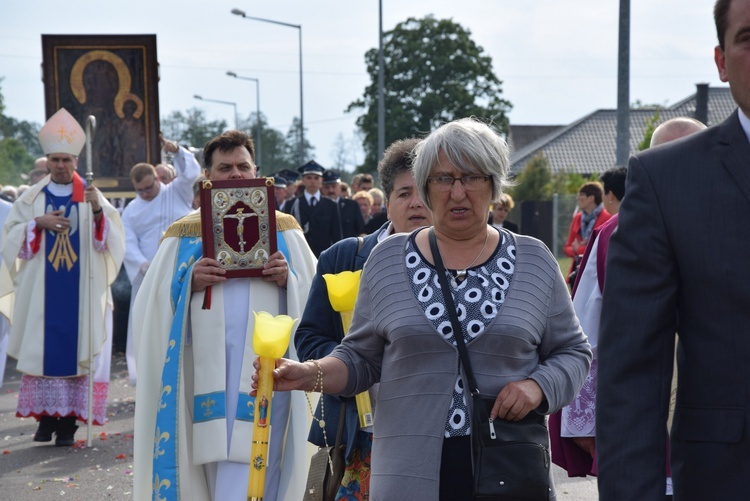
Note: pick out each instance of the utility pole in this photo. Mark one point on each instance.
(623, 86)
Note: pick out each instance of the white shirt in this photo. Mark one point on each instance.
(309, 197)
(146, 221)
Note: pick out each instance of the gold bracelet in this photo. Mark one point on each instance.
(319, 377)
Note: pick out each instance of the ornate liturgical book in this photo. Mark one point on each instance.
(238, 222)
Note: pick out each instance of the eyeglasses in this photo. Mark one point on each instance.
(146, 190)
(469, 183)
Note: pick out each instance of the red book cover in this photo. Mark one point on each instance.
(238, 223)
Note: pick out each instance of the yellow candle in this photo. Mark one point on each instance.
(270, 341)
(343, 289)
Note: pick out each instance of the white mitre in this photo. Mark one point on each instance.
(62, 134)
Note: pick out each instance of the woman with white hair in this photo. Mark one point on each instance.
(523, 339)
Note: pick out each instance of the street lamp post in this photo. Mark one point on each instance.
(257, 105)
(241, 13)
(201, 98)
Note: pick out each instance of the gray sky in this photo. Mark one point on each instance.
(558, 60)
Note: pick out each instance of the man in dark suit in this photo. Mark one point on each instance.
(317, 215)
(352, 223)
(679, 263)
(279, 191)
(291, 178)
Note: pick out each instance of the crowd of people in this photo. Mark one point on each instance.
(636, 353)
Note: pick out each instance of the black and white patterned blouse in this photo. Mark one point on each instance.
(478, 298)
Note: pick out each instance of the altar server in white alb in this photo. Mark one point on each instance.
(194, 418)
(63, 245)
(148, 216)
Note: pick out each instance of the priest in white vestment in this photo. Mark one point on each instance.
(4, 325)
(63, 245)
(193, 421)
(148, 216)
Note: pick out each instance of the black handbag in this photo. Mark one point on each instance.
(511, 458)
(327, 467)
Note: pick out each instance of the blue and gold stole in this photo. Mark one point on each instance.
(61, 291)
(165, 485)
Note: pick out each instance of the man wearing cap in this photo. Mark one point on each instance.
(156, 206)
(63, 243)
(317, 215)
(279, 190)
(291, 177)
(352, 222)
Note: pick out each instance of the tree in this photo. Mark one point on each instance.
(651, 124)
(434, 73)
(292, 141)
(535, 181)
(14, 159)
(567, 183)
(191, 128)
(340, 153)
(344, 153)
(276, 153)
(18, 146)
(640, 105)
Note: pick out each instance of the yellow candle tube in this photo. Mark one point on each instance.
(364, 409)
(343, 289)
(346, 320)
(261, 430)
(271, 337)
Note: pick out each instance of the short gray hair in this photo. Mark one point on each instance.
(472, 146)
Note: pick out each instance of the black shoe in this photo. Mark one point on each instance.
(47, 424)
(66, 430)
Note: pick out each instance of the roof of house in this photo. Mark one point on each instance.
(520, 136)
(588, 145)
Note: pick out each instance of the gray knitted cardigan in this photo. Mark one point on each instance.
(535, 335)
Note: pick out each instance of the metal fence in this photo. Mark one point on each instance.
(549, 221)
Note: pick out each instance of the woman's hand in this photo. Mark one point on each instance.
(517, 399)
(289, 375)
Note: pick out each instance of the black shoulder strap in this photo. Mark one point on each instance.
(458, 332)
(342, 418)
(353, 267)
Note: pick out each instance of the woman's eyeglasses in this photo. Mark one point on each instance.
(469, 183)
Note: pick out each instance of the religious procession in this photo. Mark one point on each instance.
(183, 317)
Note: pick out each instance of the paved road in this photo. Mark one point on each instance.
(31, 471)
(40, 471)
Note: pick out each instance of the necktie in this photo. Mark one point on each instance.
(313, 201)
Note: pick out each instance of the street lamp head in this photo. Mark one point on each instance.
(232, 74)
(196, 96)
(239, 12)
